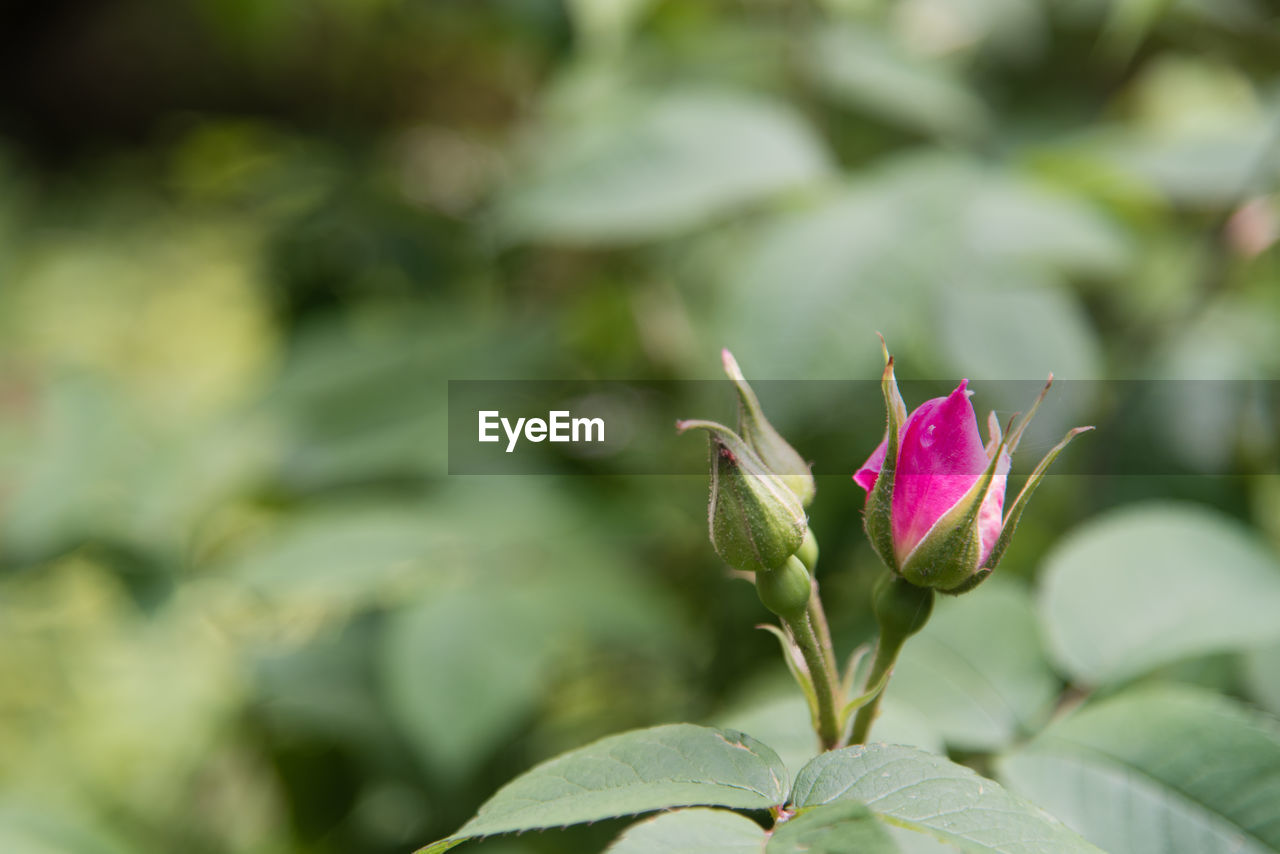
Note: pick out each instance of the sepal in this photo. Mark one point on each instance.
(773, 450)
(1020, 503)
(878, 517)
(951, 551)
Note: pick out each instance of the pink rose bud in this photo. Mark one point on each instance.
(935, 491)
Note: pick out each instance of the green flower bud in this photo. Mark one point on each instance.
(785, 591)
(756, 521)
(808, 552)
(770, 447)
(901, 608)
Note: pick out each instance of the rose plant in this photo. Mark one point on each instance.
(937, 516)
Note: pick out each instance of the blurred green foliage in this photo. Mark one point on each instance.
(244, 245)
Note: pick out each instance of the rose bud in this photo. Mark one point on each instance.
(756, 520)
(786, 590)
(773, 450)
(935, 493)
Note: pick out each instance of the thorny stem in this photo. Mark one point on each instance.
(821, 671)
(818, 617)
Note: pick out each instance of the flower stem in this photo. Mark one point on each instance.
(887, 650)
(901, 610)
(822, 672)
(818, 617)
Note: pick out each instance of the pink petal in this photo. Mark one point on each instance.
(940, 457)
(866, 476)
(991, 514)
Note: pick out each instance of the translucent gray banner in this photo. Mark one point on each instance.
(1160, 427)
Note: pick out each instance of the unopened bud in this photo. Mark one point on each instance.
(808, 551)
(785, 591)
(935, 509)
(756, 520)
(773, 450)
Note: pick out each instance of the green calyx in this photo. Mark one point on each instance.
(951, 553)
(774, 451)
(756, 521)
(901, 608)
(786, 590)
(1014, 513)
(1010, 521)
(878, 517)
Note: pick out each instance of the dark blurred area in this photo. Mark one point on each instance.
(83, 77)
(244, 245)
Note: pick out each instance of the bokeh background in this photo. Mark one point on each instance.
(244, 245)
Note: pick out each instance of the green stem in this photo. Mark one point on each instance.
(901, 610)
(887, 650)
(821, 671)
(818, 617)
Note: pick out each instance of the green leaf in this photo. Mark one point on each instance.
(455, 697)
(1159, 771)
(836, 828)
(794, 660)
(985, 332)
(603, 27)
(862, 68)
(28, 827)
(1262, 677)
(830, 251)
(1020, 220)
(902, 723)
(322, 690)
(911, 842)
(1206, 424)
(666, 766)
(661, 167)
(694, 831)
(1194, 169)
(780, 718)
(977, 671)
(869, 693)
(929, 794)
(1149, 585)
(459, 702)
(95, 469)
(844, 256)
(341, 557)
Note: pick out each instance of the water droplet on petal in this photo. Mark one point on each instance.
(926, 440)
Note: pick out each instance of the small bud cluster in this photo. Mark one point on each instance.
(760, 486)
(935, 514)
